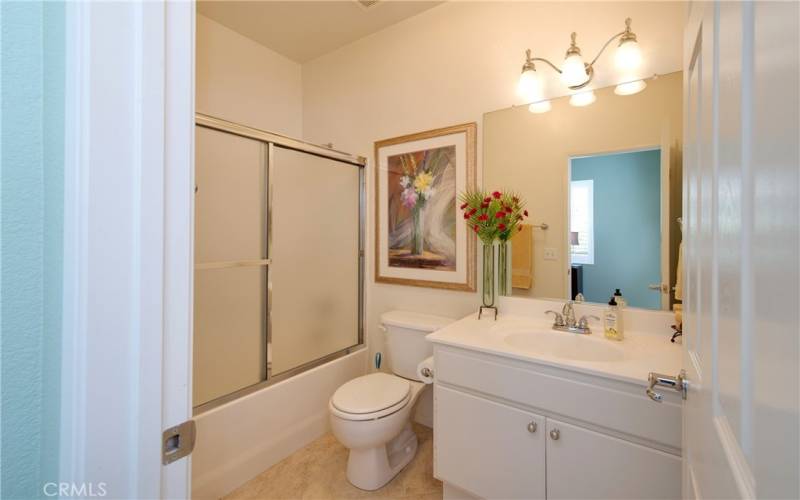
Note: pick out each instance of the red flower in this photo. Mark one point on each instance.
(501, 227)
(466, 215)
(463, 206)
(483, 217)
(487, 200)
(475, 228)
(499, 215)
(485, 204)
(472, 212)
(497, 195)
(525, 213)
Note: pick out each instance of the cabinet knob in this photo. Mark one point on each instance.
(555, 434)
(532, 427)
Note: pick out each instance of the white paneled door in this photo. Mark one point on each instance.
(741, 163)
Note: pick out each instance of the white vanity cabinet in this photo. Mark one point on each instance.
(506, 428)
(488, 448)
(587, 464)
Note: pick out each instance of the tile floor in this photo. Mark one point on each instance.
(318, 472)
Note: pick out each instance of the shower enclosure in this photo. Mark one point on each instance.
(279, 258)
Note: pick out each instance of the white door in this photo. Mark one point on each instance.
(127, 312)
(741, 278)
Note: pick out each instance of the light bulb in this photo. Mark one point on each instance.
(573, 72)
(582, 99)
(628, 56)
(540, 107)
(630, 88)
(530, 86)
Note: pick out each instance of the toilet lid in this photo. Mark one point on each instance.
(370, 393)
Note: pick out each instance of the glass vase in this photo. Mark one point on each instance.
(503, 284)
(416, 233)
(488, 275)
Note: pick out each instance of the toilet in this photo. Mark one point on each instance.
(371, 415)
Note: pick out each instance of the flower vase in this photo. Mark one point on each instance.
(503, 284)
(488, 275)
(416, 234)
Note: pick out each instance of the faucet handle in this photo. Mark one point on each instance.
(558, 319)
(584, 321)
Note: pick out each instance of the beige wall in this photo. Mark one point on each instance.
(244, 82)
(529, 153)
(450, 65)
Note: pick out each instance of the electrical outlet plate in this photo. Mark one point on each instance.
(550, 254)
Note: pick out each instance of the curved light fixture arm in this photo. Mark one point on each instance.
(541, 59)
(605, 46)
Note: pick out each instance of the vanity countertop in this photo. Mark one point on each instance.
(532, 339)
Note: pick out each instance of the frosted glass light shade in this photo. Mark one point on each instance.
(540, 107)
(573, 72)
(628, 56)
(630, 88)
(530, 86)
(582, 99)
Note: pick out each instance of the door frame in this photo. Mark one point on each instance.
(664, 216)
(128, 231)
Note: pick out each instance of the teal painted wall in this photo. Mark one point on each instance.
(32, 73)
(627, 226)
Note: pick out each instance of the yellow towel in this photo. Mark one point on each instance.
(522, 258)
(679, 274)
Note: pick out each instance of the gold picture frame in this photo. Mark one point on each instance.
(420, 239)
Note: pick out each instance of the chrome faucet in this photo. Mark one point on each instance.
(565, 320)
(569, 314)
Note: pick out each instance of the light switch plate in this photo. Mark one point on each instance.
(550, 254)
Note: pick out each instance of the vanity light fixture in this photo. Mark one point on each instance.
(577, 74)
(582, 98)
(540, 107)
(630, 88)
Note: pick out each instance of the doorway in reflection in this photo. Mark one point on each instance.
(615, 226)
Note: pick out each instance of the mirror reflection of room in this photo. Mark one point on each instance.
(603, 183)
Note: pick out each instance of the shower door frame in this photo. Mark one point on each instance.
(270, 141)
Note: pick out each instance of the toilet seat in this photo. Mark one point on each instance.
(370, 397)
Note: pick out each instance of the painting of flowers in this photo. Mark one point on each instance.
(422, 224)
(419, 241)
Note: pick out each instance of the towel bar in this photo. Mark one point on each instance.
(543, 226)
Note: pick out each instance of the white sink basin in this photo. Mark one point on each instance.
(566, 346)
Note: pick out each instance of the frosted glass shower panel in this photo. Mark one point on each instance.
(229, 341)
(315, 258)
(230, 175)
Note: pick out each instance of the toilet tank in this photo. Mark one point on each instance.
(406, 346)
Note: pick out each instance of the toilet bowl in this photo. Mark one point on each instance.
(380, 440)
(371, 414)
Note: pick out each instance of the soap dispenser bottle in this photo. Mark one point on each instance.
(611, 321)
(621, 302)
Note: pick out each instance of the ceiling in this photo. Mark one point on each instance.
(304, 30)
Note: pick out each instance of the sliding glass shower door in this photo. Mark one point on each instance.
(230, 300)
(278, 260)
(314, 276)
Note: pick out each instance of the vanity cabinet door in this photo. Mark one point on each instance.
(586, 464)
(487, 448)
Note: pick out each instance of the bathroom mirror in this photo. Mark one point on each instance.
(602, 184)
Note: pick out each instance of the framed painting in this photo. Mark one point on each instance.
(420, 240)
